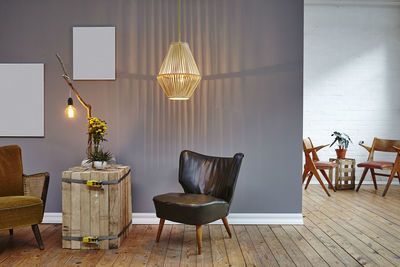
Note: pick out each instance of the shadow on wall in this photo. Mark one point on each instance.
(234, 64)
(250, 99)
(220, 50)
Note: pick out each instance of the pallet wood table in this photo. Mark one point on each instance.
(102, 210)
(344, 174)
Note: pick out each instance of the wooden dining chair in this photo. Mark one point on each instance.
(383, 145)
(313, 164)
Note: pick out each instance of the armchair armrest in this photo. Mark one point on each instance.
(397, 149)
(317, 148)
(320, 147)
(36, 185)
(364, 146)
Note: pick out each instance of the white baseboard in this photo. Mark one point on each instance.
(233, 218)
(352, 2)
(52, 217)
(365, 182)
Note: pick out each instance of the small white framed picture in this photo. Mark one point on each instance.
(93, 53)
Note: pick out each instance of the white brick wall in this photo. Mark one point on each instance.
(352, 75)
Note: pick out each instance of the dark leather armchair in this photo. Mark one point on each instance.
(22, 197)
(208, 184)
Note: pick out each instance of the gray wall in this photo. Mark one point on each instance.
(250, 54)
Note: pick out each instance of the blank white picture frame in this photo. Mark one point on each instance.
(93, 53)
(22, 99)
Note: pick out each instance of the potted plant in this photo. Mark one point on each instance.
(97, 129)
(100, 158)
(343, 143)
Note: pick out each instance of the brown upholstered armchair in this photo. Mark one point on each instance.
(209, 183)
(22, 197)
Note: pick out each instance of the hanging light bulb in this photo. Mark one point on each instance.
(70, 110)
(179, 75)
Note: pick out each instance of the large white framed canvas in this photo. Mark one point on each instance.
(93, 53)
(22, 99)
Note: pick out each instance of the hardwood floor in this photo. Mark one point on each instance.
(347, 229)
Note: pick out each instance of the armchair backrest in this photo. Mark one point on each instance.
(201, 174)
(384, 145)
(307, 144)
(11, 182)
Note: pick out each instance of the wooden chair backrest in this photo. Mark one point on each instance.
(384, 145)
(307, 144)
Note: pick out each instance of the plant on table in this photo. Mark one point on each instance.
(98, 129)
(343, 141)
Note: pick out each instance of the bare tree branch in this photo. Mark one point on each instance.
(86, 105)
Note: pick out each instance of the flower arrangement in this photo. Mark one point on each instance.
(97, 130)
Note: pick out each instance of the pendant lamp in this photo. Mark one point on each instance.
(179, 75)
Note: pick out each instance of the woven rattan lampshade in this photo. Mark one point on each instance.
(179, 75)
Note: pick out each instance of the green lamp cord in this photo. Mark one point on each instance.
(179, 21)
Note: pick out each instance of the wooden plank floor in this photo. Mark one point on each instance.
(347, 229)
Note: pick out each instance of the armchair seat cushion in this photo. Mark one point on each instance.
(377, 164)
(324, 165)
(194, 209)
(16, 211)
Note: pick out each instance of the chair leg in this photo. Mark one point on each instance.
(225, 221)
(388, 183)
(199, 238)
(308, 180)
(160, 227)
(304, 175)
(36, 232)
(11, 231)
(328, 180)
(362, 178)
(320, 181)
(374, 178)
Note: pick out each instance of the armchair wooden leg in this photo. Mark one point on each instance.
(362, 178)
(374, 178)
(304, 175)
(322, 183)
(310, 175)
(11, 231)
(199, 238)
(36, 232)
(225, 221)
(389, 182)
(160, 227)
(328, 180)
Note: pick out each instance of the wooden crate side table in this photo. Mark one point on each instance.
(345, 174)
(94, 211)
